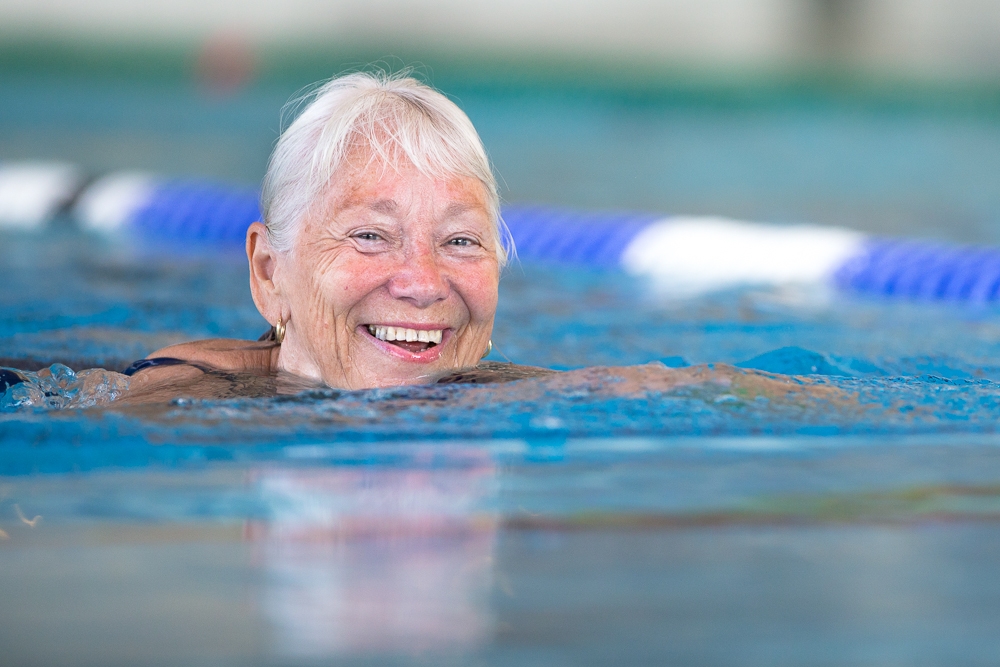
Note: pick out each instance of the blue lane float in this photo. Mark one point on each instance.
(558, 235)
(923, 270)
(693, 254)
(199, 212)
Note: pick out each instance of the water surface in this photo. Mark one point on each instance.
(829, 494)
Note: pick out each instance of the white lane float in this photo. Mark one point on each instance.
(693, 254)
(32, 193)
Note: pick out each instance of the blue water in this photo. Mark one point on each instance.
(853, 519)
(854, 522)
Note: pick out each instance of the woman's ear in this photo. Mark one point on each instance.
(263, 266)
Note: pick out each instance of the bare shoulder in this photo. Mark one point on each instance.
(226, 354)
(198, 373)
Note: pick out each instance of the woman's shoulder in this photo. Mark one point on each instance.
(213, 368)
(224, 354)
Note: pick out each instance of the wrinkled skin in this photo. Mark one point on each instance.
(387, 246)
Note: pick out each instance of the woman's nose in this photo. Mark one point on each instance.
(419, 279)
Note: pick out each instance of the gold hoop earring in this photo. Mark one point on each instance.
(279, 331)
(489, 348)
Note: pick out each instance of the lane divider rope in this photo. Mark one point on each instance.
(685, 253)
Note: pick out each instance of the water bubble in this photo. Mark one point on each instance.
(59, 387)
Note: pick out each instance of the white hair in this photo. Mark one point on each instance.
(392, 117)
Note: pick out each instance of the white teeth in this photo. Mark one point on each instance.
(402, 334)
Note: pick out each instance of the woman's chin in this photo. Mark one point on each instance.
(376, 370)
(384, 371)
(386, 379)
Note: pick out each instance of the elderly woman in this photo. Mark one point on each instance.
(379, 255)
(378, 263)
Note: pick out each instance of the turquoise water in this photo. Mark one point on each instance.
(826, 493)
(522, 524)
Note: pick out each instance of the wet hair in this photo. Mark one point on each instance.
(392, 118)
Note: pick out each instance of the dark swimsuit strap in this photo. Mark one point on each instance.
(143, 364)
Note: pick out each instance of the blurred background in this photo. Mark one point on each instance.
(241, 534)
(880, 115)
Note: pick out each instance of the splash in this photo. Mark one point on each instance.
(60, 387)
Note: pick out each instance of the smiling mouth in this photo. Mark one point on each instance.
(411, 340)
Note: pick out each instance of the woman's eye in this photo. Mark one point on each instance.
(368, 236)
(463, 242)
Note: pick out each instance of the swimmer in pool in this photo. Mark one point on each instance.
(378, 262)
(378, 258)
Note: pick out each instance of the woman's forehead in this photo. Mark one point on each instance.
(392, 189)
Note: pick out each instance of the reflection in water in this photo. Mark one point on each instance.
(376, 560)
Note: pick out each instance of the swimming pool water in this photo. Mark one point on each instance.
(855, 523)
(515, 525)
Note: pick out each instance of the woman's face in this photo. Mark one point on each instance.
(393, 278)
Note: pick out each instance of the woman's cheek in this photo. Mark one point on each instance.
(322, 304)
(481, 290)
